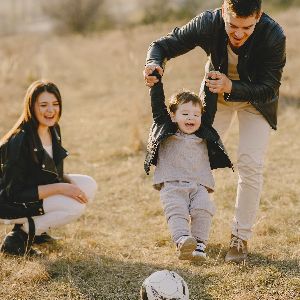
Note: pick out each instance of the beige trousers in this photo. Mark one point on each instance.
(60, 210)
(188, 209)
(254, 133)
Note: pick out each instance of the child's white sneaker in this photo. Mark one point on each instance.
(185, 247)
(199, 252)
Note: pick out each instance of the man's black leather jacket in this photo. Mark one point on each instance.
(260, 65)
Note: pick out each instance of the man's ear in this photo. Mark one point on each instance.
(259, 16)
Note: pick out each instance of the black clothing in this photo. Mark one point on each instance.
(260, 65)
(163, 127)
(25, 165)
(17, 242)
(43, 238)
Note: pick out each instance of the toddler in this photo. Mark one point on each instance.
(184, 151)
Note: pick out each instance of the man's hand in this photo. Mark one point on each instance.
(151, 80)
(218, 82)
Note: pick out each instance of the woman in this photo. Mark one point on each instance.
(32, 177)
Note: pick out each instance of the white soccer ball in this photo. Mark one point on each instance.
(164, 285)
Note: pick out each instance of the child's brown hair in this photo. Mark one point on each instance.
(182, 97)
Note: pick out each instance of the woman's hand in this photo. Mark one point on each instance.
(67, 189)
(73, 191)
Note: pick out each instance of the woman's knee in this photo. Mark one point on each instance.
(91, 188)
(63, 203)
(86, 183)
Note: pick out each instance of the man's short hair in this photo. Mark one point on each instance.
(244, 8)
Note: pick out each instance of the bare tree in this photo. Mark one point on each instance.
(77, 15)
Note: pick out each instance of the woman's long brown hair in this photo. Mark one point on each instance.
(28, 115)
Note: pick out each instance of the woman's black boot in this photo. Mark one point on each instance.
(18, 242)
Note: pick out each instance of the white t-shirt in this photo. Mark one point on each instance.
(49, 150)
(232, 69)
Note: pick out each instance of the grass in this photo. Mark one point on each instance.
(123, 236)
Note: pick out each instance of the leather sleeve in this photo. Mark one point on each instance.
(268, 77)
(159, 109)
(198, 32)
(15, 178)
(16, 187)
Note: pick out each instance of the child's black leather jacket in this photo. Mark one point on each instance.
(163, 127)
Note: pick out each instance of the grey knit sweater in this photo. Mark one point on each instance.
(183, 157)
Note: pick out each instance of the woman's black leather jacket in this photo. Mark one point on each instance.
(25, 165)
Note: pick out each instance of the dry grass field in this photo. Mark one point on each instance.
(123, 236)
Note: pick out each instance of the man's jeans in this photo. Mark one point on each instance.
(254, 133)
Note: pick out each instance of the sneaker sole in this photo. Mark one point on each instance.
(199, 258)
(186, 250)
(236, 260)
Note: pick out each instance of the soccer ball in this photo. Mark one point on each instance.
(164, 285)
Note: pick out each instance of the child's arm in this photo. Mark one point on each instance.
(159, 108)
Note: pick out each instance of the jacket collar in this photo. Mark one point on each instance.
(59, 153)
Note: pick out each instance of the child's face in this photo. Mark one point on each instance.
(187, 117)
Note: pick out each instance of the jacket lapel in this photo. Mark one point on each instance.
(59, 153)
(49, 164)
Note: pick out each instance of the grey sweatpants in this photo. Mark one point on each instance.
(188, 209)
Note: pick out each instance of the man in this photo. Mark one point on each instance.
(246, 56)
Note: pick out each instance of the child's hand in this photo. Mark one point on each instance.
(149, 69)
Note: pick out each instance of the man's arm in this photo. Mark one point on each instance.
(197, 32)
(182, 40)
(267, 81)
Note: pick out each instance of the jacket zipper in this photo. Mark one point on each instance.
(50, 172)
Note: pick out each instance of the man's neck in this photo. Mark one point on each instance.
(236, 50)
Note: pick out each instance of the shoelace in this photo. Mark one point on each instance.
(180, 241)
(237, 242)
(200, 247)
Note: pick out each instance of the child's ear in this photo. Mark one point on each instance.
(172, 115)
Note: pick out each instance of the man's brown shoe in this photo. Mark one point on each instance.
(237, 250)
